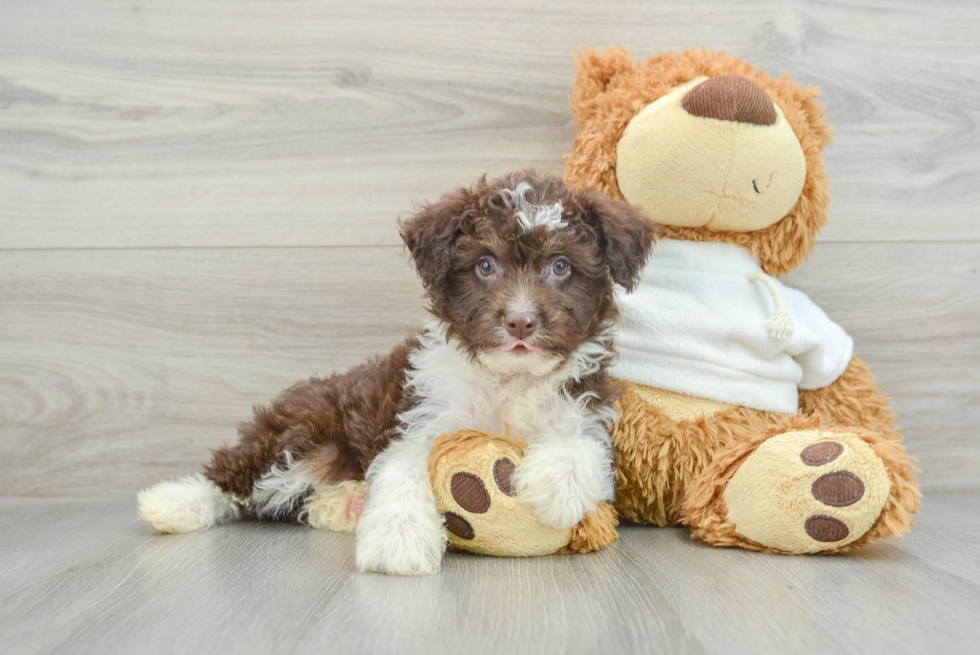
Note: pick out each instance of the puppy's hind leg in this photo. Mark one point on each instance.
(185, 505)
(336, 507)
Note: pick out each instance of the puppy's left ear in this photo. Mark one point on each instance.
(625, 235)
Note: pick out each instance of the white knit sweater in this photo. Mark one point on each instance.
(706, 321)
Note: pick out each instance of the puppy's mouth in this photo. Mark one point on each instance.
(520, 357)
(520, 347)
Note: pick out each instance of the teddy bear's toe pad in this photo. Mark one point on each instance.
(807, 491)
(826, 529)
(468, 490)
(459, 526)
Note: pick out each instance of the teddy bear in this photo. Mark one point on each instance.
(744, 412)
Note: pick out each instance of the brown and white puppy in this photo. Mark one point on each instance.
(520, 273)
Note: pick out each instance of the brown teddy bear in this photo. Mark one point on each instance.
(744, 413)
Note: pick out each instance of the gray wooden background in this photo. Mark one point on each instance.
(198, 199)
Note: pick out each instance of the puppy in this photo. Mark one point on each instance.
(519, 273)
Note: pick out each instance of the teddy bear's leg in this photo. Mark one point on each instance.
(663, 441)
(596, 531)
(801, 489)
(471, 475)
(852, 400)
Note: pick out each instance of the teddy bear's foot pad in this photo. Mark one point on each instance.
(471, 474)
(471, 479)
(808, 491)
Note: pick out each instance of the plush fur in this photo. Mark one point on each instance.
(524, 246)
(676, 454)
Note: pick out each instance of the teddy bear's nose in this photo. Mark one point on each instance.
(730, 98)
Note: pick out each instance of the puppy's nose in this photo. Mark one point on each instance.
(730, 98)
(520, 325)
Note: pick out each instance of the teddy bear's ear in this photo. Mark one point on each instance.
(595, 71)
(816, 118)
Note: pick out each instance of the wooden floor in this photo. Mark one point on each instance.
(82, 576)
(197, 208)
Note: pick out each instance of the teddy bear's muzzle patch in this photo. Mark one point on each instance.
(715, 153)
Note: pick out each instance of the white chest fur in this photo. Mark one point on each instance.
(455, 393)
(565, 472)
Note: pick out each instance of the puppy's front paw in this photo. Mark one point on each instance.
(400, 544)
(560, 486)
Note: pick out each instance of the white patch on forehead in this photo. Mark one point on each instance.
(530, 215)
(520, 302)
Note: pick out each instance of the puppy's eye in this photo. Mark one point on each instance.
(561, 267)
(485, 267)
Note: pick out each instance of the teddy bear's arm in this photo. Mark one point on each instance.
(852, 400)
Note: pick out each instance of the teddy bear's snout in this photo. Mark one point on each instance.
(730, 98)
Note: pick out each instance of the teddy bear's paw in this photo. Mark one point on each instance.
(808, 491)
(471, 474)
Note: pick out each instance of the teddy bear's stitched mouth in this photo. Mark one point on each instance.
(768, 184)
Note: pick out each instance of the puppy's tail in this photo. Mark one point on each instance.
(185, 505)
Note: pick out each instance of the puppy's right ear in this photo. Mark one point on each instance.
(431, 234)
(625, 235)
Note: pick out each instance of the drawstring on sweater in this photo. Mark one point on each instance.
(781, 325)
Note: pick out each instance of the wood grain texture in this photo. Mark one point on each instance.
(83, 576)
(122, 367)
(116, 364)
(139, 124)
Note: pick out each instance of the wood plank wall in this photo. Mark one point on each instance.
(198, 199)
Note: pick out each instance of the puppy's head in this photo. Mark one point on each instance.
(521, 269)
